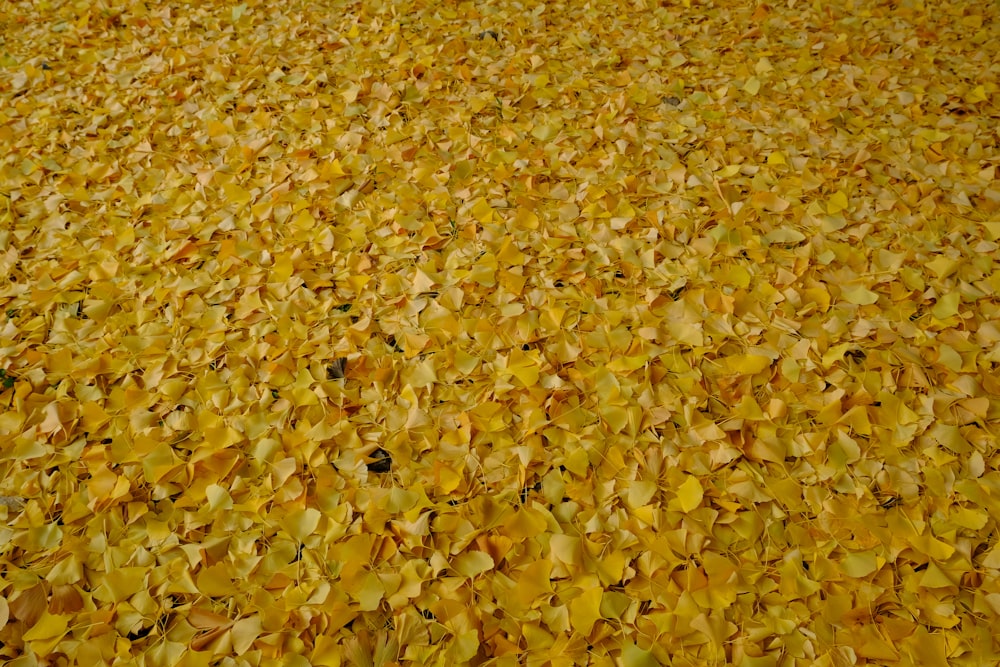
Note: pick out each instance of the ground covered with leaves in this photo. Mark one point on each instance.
(504, 333)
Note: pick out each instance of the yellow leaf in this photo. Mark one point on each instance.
(304, 221)
(464, 648)
(992, 228)
(49, 626)
(215, 581)
(235, 194)
(769, 201)
(245, 632)
(943, 266)
(422, 374)
(819, 296)
(585, 610)
(327, 652)
(639, 493)
(633, 656)
(334, 167)
(934, 548)
(534, 583)
(371, 592)
(546, 131)
(784, 235)
(525, 523)
(401, 500)
(524, 367)
(447, 478)
(482, 211)
(304, 396)
(613, 603)
(976, 95)
(992, 561)
(464, 362)
(947, 306)
(627, 364)
(752, 85)
(526, 219)
(283, 268)
(158, 463)
(935, 577)
(688, 333)
(969, 518)
(52, 421)
(221, 437)
(421, 282)
(747, 408)
(860, 296)
(929, 649)
(566, 548)
(217, 129)
(302, 523)
(616, 416)
(690, 494)
(473, 563)
(611, 567)
(484, 271)
(859, 564)
(746, 364)
(218, 498)
(836, 203)
(122, 583)
(857, 419)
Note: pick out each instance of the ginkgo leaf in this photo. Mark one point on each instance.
(371, 592)
(769, 201)
(215, 581)
(236, 194)
(935, 577)
(302, 523)
(472, 563)
(640, 492)
(49, 626)
(690, 494)
(633, 656)
(836, 203)
(785, 235)
(585, 610)
(860, 295)
(245, 631)
(859, 564)
(482, 210)
(746, 364)
(481, 335)
(123, 583)
(947, 306)
(218, 498)
(534, 583)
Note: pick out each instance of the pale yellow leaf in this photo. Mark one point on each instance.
(860, 296)
(690, 494)
(472, 563)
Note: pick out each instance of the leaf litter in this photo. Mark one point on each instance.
(499, 333)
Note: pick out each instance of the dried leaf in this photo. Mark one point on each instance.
(667, 345)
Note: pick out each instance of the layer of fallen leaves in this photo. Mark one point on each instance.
(499, 333)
